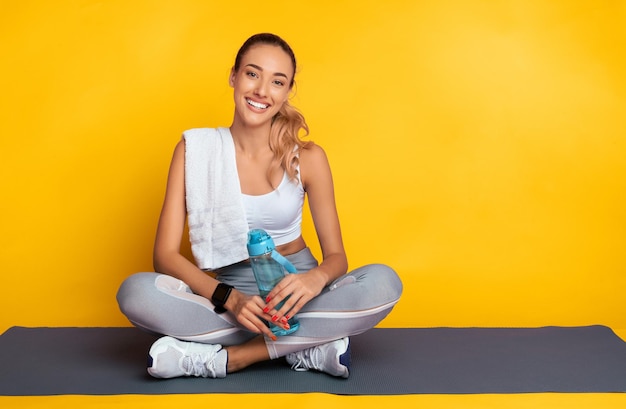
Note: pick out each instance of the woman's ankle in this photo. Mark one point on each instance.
(244, 355)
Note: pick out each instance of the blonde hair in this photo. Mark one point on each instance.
(285, 141)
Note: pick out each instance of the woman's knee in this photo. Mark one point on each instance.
(132, 293)
(381, 280)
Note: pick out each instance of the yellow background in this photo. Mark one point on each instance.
(477, 147)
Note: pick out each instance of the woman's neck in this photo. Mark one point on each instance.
(250, 140)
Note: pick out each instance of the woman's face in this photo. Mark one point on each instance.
(262, 84)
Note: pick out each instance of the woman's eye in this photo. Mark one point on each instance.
(279, 83)
(251, 74)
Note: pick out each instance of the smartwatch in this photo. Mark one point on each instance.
(220, 296)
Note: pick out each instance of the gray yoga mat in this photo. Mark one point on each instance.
(111, 361)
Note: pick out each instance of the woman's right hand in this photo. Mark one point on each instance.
(249, 312)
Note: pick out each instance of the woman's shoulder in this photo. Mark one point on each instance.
(313, 163)
(312, 152)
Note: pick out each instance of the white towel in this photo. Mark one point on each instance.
(215, 214)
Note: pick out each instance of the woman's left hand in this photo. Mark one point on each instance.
(300, 288)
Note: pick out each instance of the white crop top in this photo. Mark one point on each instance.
(278, 212)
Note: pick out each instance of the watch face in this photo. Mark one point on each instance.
(219, 297)
(221, 293)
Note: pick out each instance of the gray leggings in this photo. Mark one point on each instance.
(352, 304)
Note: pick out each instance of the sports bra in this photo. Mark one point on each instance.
(278, 212)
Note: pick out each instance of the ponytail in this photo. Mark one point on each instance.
(285, 141)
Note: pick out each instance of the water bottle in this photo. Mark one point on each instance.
(269, 268)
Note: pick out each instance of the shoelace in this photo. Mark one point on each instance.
(197, 365)
(307, 359)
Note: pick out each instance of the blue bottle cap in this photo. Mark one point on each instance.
(259, 242)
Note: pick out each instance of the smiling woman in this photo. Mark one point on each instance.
(479, 143)
(258, 173)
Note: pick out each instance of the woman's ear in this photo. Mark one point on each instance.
(231, 77)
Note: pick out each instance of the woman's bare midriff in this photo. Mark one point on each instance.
(285, 249)
(292, 247)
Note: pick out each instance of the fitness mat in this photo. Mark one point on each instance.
(385, 361)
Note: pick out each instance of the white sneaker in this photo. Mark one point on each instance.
(332, 358)
(170, 358)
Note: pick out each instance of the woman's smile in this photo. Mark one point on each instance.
(256, 104)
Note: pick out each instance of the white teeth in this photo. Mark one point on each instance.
(256, 104)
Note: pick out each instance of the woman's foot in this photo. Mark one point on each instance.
(332, 358)
(171, 358)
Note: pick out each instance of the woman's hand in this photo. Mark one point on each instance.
(300, 288)
(248, 310)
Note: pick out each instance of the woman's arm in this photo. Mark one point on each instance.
(317, 180)
(168, 259)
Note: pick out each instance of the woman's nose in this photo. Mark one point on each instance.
(261, 88)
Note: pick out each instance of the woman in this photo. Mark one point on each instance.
(258, 173)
